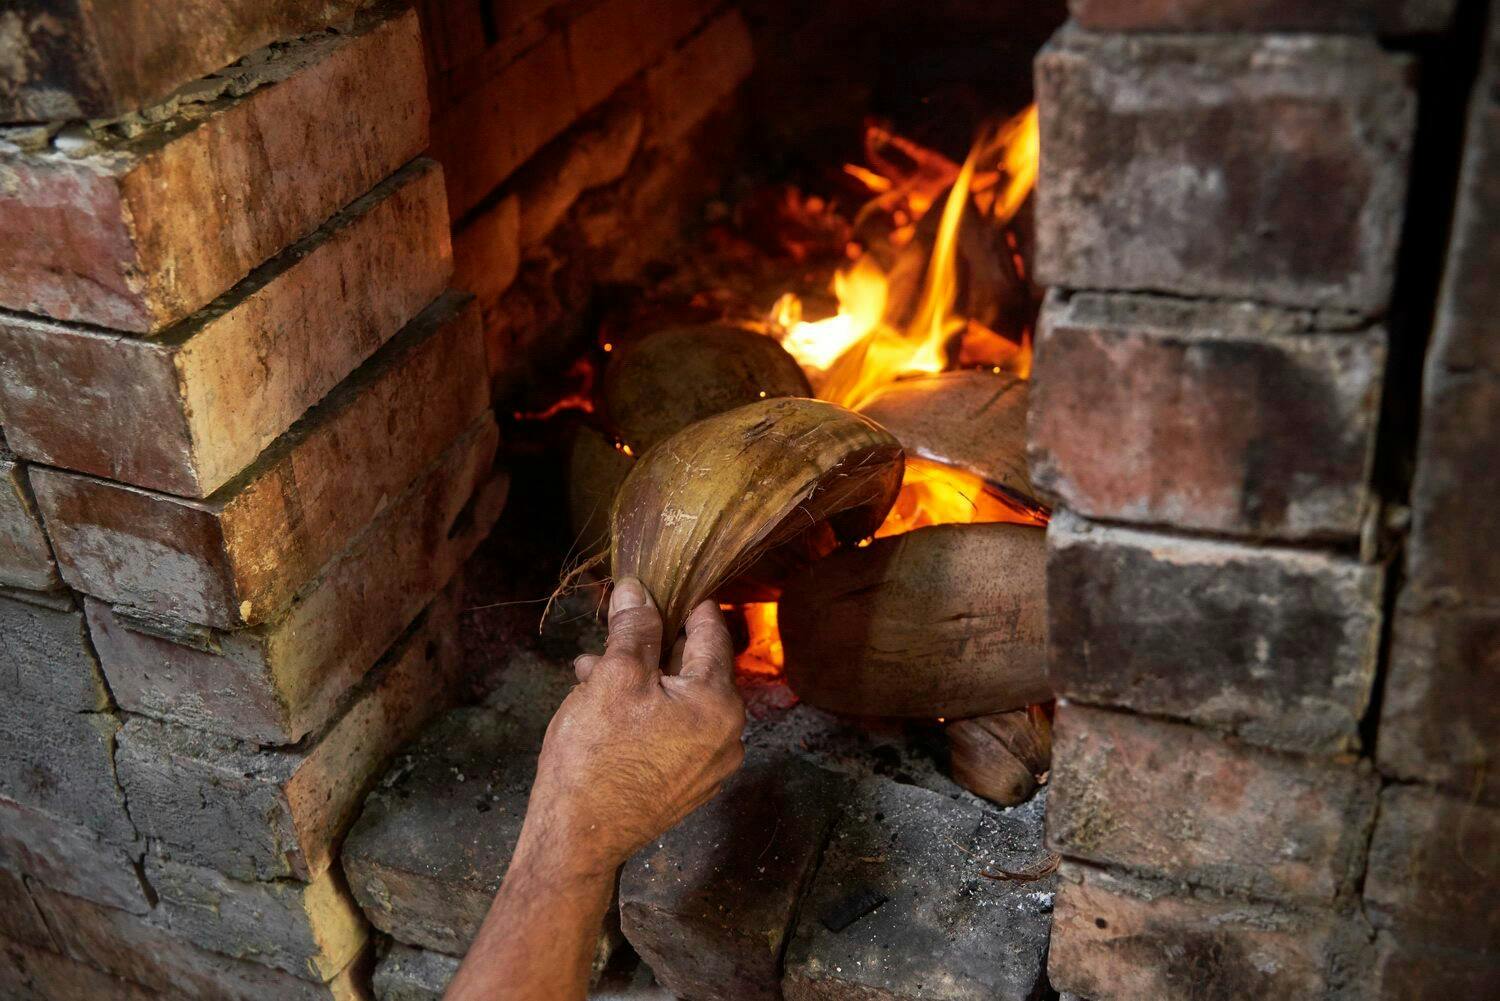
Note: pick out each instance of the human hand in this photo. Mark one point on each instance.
(632, 751)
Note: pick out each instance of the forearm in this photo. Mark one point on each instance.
(539, 938)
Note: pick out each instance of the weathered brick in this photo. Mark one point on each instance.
(28, 973)
(1427, 875)
(20, 921)
(25, 557)
(70, 858)
(486, 260)
(276, 682)
(1441, 707)
(596, 151)
(1130, 940)
(187, 411)
(689, 83)
(611, 42)
(98, 58)
(1386, 17)
(267, 813)
(1129, 610)
(901, 906)
(311, 930)
(1229, 418)
(1177, 802)
(147, 230)
(709, 905)
(46, 658)
(239, 556)
(139, 951)
(1424, 971)
(61, 762)
(493, 129)
(407, 974)
(1248, 167)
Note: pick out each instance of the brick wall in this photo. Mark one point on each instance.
(1268, 772)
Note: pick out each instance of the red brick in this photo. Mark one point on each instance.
(1270, 167)
(25, 558)
(1423, 971)
(1276, 645)
(150, 229)
(186, 412)
(1237, 419)
(258, 813)
(1427, 878)
(595, 152)
(31, 974)
(1130, 940)
(98, 58)
(69, 857)
(1441, 708)
(486, 260)
(1386, 17)
(128, 947)
(689, 83)
(1172, 801)
(276, 682)
(46, 659)
(20, 921)
(612, 41)
(239, 556)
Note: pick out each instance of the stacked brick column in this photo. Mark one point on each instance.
(248, 448)
(1220, 205)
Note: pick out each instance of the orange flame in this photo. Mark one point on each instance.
(936, 494)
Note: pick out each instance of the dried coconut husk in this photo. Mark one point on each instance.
(975, 420)
(669, 379)
(1003, 756)
(943, 621)
(711, 500)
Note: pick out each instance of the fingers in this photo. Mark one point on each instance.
(709, 651)
(583, 665)
(674, 659)
(634, 625)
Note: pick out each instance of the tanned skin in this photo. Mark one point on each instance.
(630, 752)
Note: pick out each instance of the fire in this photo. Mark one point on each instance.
(860, 349)
(936, 494)
(762, 657)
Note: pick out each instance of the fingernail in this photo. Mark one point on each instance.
(629, 593)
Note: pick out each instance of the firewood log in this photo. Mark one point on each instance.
(712, 499)
(975, 420)
(669, 379)
(1003, 756)
(946, 621)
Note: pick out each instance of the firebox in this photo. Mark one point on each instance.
(1084, 414)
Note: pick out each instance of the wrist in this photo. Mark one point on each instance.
(567, 859)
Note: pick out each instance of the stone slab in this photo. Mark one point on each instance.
(126, 946)
(1385, 17)
(709, 905)
(1276, 645)
(141, 232)
(1178, 803)
(72, 858)
(20, 921)
(900, 908)
(258, 813)
(237, 557)
(46, 657)
(1428, 880)
(62, 762)
(407, 974)
(1228, 418)
(277, 682)
(427, 854)
(1268, 167)
(28, 973)
(1441, 707)
(1130, 940)
(187, 411)
(25, 557)
(311, 930)
(99, 58)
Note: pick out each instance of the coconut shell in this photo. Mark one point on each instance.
(975, 420)
(596, 468)
(711, 500)
(669, 379)
(943, 621)
(1001, 757)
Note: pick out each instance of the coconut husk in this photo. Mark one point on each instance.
(1001, 757)
(711, 500)
(975, 420)
(596, 468)
(944, 621)
(669, 379)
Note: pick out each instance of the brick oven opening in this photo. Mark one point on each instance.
(1095, 403)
